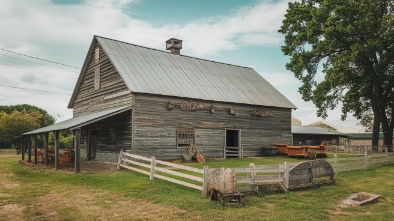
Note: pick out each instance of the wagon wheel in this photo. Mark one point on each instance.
(312, 154)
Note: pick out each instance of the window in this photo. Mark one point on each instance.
(83, 137)
(111, 136)
(185, 137)
(97, 78)
(97, 54)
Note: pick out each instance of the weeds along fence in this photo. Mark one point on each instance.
(367, 161)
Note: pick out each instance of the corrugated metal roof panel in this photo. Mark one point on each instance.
(80, 121)
(315, 130)
(153, 71)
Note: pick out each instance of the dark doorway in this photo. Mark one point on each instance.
(92, 145)
(232, 138)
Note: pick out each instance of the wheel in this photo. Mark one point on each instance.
(312, 155)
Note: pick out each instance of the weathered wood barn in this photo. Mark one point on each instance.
(156, 103)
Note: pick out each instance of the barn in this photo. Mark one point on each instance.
(156, 103)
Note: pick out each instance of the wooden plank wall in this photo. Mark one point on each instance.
(112, 93)
(122, 125)
(155, 127)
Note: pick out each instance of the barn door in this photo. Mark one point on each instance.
(93, 144)
(233, 144)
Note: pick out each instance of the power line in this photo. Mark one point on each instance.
(33, 89)
(37, 71)
(39, 58)
(37, 63)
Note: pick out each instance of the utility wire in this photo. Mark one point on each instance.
(37, 71)
(39, 58)
(33, 89)
(37, 63)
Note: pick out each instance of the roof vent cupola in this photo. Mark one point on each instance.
(174, 45)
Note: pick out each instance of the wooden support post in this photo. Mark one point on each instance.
(385, 151)
(366, 159)
(119, 159)
(152, 168)
(224, 152)
(77, 150)
(89, 152)
(35, 149)
(23, 147)
(205, 181)
(287, 174)
(46, 135)
(335, 163)
(29, 149)
(57, 150)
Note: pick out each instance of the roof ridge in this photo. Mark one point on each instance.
(171, 53)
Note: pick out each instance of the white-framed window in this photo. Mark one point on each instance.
(97, 78)
(184, 137)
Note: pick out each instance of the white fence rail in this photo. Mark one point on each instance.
(369, 160)
(261, 174)
(130, 161)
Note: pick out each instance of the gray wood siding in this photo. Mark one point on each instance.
(113, 91)
(122, 125)
(155, 127)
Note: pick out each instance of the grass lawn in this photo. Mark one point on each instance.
(28, 193)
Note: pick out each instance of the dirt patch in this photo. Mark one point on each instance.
(86, 167)
(11, 212)
(103, 206)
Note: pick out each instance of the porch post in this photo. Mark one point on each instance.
(77, 141)
(29, 149)
(23, 147)
(88, 152)
(57, 163)
(35, 148)
(46, 135)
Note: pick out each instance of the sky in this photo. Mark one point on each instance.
(243, 33)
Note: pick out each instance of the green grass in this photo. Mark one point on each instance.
(314, 204)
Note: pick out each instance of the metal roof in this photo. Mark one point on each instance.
(147, 70)
(80, 121)
(315, 130)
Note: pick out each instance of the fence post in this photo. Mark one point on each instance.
(335, 163)
(152, 168)
(251, 174)
(366, 159)
(385, 151)
(287, 172)
(119, 159)
(205, 181)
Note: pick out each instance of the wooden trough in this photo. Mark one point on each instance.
(310, 152)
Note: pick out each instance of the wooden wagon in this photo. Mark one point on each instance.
(302, 151)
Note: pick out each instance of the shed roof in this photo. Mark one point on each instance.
(315, 130)
(147, 70)
(80, 121)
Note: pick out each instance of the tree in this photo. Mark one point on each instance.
(18, 122)
(44, 121)
(353, 42)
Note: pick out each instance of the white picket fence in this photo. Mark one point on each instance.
(369, 160)
(129, 161)
(275, 173)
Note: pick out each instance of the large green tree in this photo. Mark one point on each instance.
(18, 122)
(45, 120)
(352, 42)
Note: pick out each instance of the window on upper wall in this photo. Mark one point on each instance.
(185, 137)
(111, 136)
(97, 54)
(97, 78)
